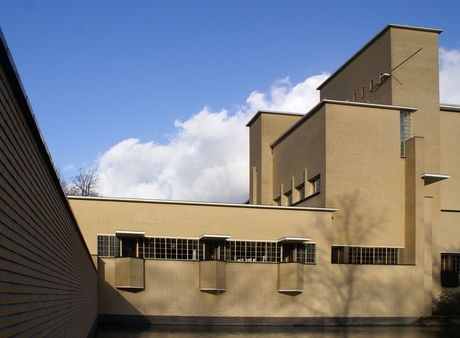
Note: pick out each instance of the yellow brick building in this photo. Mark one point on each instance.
(353, 214)
(353, 210)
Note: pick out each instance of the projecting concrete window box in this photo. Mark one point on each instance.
(290, 277)
(129, 273)
(212, 275)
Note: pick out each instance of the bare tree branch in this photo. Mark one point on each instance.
(84, 184)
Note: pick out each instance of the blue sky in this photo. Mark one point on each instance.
(143, 91)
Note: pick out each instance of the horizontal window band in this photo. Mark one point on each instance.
(366, 246)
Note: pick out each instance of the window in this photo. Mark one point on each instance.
(211, 250)
(371, 85)
(450, 269)
(354, 97)
(450, 261)
(108, 246)
(171, 248)
(129, 247)
(212, 247)
(289, 253)
(205, 249)
(148, 247)
(160, 248)
(367, 255)
(252, 251)
(364, 255)
(315, 184)
(298, 252)
(310, 253)
(455, 263)
(306, 253)
(271, 252)
(405, 126)
(362, 92)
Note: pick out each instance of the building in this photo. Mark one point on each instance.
(353, 210)
(381, 149)
(48, 281)
(352, 216)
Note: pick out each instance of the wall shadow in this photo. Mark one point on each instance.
(349, 292)
(121, 310)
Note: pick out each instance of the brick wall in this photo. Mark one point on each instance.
(48, 282)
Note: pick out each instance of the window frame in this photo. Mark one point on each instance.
(194, 249)
(365, 255)
(450, 261)
(315, 184)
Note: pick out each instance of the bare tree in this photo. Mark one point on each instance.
(85, 183)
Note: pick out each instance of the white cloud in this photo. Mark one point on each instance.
(206, 159)
(449, 73)
(69, 167)
(283, 96)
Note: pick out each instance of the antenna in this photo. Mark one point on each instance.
(384, 76)
(405, 60)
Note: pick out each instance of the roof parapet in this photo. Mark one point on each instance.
(361, 50)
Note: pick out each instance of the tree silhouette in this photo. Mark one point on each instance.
(85, 183)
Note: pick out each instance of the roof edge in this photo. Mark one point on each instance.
(348, 103)
(449, 107)
(275, 112)
(13, 79)
(215, 204)
(371, 41)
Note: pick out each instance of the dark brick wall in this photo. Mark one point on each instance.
(48, 282)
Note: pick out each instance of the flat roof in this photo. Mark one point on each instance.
(274, 112)
(361, 50)
(348, 103)
(216, 204)
(449, 107)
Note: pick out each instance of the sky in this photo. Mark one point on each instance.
(155, 95)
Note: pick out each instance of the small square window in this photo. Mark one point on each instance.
(315, 184)
(450, 262)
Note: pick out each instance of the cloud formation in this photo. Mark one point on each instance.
(449, 73)
(206, 159)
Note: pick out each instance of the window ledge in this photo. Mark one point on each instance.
(306, 198)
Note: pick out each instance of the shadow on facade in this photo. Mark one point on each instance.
(121, 310)
(348, 290)
(333, 294)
